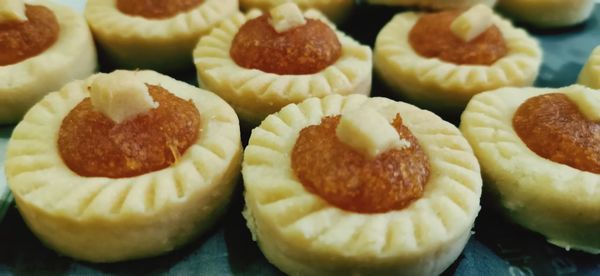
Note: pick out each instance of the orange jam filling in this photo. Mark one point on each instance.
(347, 179)
(553, 127)
(156, 9)
(432, 37)
(22, 40)
(91, 144)
(305, 49)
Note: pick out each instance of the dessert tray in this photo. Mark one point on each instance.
(497, 246)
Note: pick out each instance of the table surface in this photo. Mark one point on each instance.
(497, 247)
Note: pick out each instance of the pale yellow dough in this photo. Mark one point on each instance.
(159, 44)
(302, 234)
(590, 74)
(440, 85)
(548, 13)
(556, 200)
(254, 94)
(434, 4)
(102, 219)
(72, 56)
(335, 10)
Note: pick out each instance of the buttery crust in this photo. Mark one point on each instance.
(548, 14)
(102, 219)
(434, 4)
(161, 44)
(302, 234)
(590, 74)
(335, 10)
(254, 94)
(440, 85)
(556, 200)
(72, 56)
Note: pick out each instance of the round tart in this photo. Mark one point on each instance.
(548, 14)
(335, 10)
(41, 50)
(434, 4)
(539, 155)
(154, 34)
(109, 188)
(325, 197)
(590, 74)
(420, 57)
(272, 73)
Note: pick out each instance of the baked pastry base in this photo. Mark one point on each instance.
(558, 201)
(442, 86)
(102, 219)
(254, 94)
(72, 56)
(302, 234)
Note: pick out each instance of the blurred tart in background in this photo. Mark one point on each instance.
(548, 14)
(154, 34)
(434, 4)
(42, 46)
(590, 73)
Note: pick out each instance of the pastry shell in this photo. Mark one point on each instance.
(160, 44)
(254, 94)
(101, 219)
(302, 234)
(438, 85)
(556, 200)
(548, 14)
(72, 56)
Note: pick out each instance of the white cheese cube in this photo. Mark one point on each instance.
(120, 95)
(473, 22)
(588, 102)
(286, 16)
(368, 132)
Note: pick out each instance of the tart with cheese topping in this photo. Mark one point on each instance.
(335, 11)
(260, 62)
(42, 46)
(434, 4)
(137, 164)
(539, 153)
(353, 185)
(440, 60)
(154, 34)
(548, 14)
